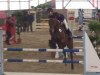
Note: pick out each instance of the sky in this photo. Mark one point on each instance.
(14, 4)
(75, 4)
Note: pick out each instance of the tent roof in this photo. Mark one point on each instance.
(75, 4)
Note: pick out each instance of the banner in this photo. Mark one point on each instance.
(92, 61)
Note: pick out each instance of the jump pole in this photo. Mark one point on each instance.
(92, 68)
(1, 53)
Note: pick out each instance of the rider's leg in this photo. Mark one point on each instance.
(67, 28)
(66, 24)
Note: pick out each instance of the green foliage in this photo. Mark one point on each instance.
(18, 15)
(92, 39)
(94, 27)
(41, 11)
(44, 6)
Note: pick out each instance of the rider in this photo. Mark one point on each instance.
(60, 18)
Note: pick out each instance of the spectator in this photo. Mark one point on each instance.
(80, 19)
(30, 20)
(13, 28)
(25, 21)
(8, 31)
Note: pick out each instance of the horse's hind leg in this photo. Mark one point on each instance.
(70, 45)
(64, 55)
(61, 46)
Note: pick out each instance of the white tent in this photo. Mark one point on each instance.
(77, 4)
(91, 59)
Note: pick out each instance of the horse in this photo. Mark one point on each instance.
(60, 36)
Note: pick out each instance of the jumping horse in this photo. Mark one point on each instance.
(60, 36)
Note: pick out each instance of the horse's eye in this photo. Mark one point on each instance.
(60, 30)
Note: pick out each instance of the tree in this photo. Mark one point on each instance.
(94, 27)
(42, 11)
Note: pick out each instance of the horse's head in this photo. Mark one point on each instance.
(54, 25)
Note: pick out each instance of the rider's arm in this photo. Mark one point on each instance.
(61, 18)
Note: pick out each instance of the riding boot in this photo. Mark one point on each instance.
(69, 33)
(64, 27)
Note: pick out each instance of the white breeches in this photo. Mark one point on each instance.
(66, 24)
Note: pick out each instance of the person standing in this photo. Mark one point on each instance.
(30, 20)
(8, 31)
(13, 28)
(80, 19)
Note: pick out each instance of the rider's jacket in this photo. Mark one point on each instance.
(61, 17)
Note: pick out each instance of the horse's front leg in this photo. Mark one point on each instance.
(70, 45)
(64, 55)
(61, 46)
(52, 45)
